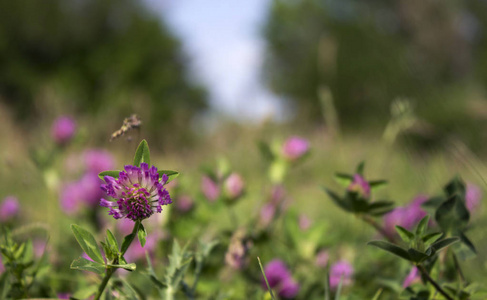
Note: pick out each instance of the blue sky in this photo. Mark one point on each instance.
(222, 39)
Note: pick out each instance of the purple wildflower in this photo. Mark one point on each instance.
(9, 209)
(234, 186)
(137, 193)
(63, 129)
(412, 277)
(473, 196)
(280, 278)
(406, 216)
(360, 186)
(341, 271)
(322, 258)
(97, 161)
(289, 288)
(63, 295)
(210, 188)
(294, 148)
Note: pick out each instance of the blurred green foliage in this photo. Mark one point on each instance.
(370, 53)
(100, 57)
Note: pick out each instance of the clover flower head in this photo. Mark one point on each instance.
(280, 278)
(9, 208)
(137, 193)
(341, 271)
(360, 185)
(63, 130)
(295, 147)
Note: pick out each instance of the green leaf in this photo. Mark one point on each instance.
(337, 200)
(129, 267)
(469, 244)
(88, 265)
(343, 179)
(142, 234)
(431, 238)
(360, 168)
(405, 234)
(389, 247)
(266, 151)
(452, 214)
(112, 241)
(115, 174)
(456, 187)
(170, 174)
(379, 208)
(377, 295)
(142, 154)
(438, 245)
(377, 184)
(127, 240)
(85, 292)
(88, 243)
(417, 256)
(422, 225)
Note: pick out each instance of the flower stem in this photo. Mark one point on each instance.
(434, 283)
(368, 219)
(110, 271)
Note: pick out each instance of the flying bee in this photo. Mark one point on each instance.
(132, 122)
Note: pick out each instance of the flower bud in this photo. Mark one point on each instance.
(360, 186)
(234, 186)
(210, 189)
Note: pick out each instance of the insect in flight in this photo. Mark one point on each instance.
(132, 122)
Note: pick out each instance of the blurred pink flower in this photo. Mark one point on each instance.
(267, 213)
(279, 277)
(412, 277)
(63, 130)
(137, 252)
(9, 208)
(473, 195)
(304, 222)
(234, 186)
(360, 186)
(322, 258)
(63, 295)
(341, 271)
(407, 216)
(210, 189)
(97, 160)
(184, 203)
(295, 147)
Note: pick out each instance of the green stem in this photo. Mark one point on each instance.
(110, 270)
(459, 269)
(434, 283)
(368, 219)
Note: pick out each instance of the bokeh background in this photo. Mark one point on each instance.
(399, 84)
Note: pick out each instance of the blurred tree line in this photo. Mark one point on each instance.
(370, 52)
(104, 59)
